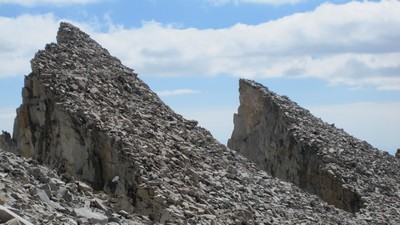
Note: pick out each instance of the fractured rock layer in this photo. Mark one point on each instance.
(6, 142)
(41, 196)
(288, 142)
(88, 116)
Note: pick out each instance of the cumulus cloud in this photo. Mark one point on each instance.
(237, 2)
(354, 43)
(21, 37)
(168, 93)
(31, 3)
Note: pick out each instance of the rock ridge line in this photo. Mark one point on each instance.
(101, 147)
(288, 142)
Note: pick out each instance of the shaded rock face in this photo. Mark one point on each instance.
(288, 142)
(90, 118)
(52, 124)
(6, 142)
(39, 195)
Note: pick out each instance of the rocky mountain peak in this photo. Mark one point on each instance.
(290, 143)
(67, 33)
(101, 147)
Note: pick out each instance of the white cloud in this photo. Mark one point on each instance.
(22, 37)
(355, 44)
(31, 3)
(376, 122)
(167, 93)
(7, 119)
(237, 2)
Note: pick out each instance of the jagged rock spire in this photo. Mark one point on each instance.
(90, 118)
(288, 142)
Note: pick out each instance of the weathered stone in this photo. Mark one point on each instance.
(7, 143)
(123, 213)
(92, 217)
(2, 199)
(88, 117)
(46, 188)
(98, 204)
(84, 187)
(45, 198)
(14, 221)
(11, 218)
(289, 143)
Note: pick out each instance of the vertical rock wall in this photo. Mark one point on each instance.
(288, 142)
(60, 123)
(87, 115)
(7, 143)
(62, 140)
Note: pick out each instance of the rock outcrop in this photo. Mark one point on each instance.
(32, 192)
(7, 143)
(290, 143)
(117, 153)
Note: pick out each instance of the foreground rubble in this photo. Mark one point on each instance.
(40, 196)
(230, 194)
(116, 153)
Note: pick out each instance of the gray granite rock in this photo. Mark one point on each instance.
(8, 217)
(88, 119)
(90, 216)
(25, 201)
(6, 142)
(288, 142)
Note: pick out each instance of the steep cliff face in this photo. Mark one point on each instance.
(289, 143)
(66, 122)
(7, 143)
(85, 114)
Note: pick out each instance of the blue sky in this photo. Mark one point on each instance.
(340, 59)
